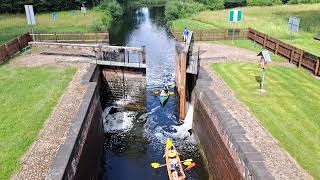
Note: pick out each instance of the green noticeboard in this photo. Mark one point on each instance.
(235, 15)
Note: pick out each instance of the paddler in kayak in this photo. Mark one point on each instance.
(164, 95)
(176, 173)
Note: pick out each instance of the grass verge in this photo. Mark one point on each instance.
(289, 110)
(271, 20)
(247, 44)
(28, 96)
(12, 26)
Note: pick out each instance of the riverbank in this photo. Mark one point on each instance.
(31, 87)
(270, 20)
(12, 26)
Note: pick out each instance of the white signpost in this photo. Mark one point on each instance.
(293, 25)
(30, 17)
(235, 15)
(265, 58)
(84, 10)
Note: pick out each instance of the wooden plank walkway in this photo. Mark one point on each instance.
(122, 64)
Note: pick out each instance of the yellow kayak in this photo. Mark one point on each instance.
(174, 165)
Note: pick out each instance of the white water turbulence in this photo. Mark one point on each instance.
(184, 131)
(181, 133)
(119, 121)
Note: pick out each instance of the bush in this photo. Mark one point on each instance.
(263, 2)
(113, 7)
(303, 1)
(213, 4)
(107, 19)
(179, 9)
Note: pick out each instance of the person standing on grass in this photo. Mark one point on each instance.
(185, 34)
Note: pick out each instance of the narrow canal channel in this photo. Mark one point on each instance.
(135, 139)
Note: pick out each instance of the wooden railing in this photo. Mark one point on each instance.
(214, 34)
(10, 48)
(72, 37)
(293, 54)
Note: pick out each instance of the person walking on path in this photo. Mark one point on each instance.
(185, 34)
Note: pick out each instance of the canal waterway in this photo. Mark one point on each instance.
(134, 139)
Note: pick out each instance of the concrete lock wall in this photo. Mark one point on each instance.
(223, 142)
(77, 158)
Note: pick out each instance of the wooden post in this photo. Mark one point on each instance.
(317, 68)
(291, 56)
(55, 35)
(7, 50)
(183, 75)
(96, 38)
(300, 59)
(20, 45)
(144, 58)
(277, 47)
(265, 41)
(82, 36)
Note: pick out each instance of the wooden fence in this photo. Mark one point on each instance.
(10, 48)
(72, 37)
(214, 34)
(293, 54)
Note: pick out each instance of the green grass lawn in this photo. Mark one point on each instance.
(289, 110)
(271, 20)
(12, 26)
(247, 44)
(27, 96)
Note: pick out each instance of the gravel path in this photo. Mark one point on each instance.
(36, 162)
(278, 161)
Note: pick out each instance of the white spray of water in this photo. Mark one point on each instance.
(118, 121)
(183, 130)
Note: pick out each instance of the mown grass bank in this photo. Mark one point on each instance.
(271, 20)
(289, 110)
(12, 26)
(247, 44)
(28, 96)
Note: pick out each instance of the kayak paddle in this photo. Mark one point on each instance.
(186, 162)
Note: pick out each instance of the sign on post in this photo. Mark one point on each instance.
(54, 17)
(30, 18)
(265, 58)
(294, 24)
(30, 15)
(84, 10)
(235, 15)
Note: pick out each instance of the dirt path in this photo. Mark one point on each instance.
(36, 162)
(278, 161)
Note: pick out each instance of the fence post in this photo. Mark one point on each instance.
(292, 54)
(317, 68)
(264, 41)
(96, 38)
(277, 46)
(300, 59)
(55, 36)
(7, 50)
(82, 37)
(19, 42)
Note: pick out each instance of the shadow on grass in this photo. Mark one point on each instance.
(258, 79)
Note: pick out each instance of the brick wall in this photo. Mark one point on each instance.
(124, 84)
